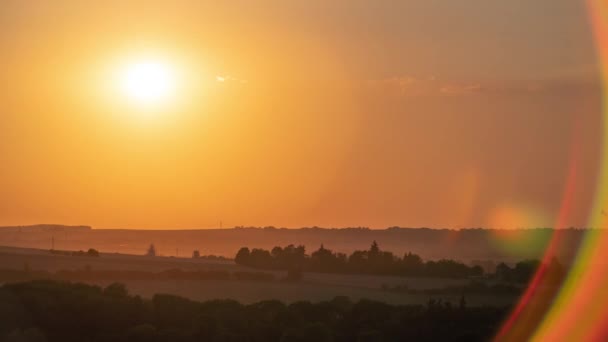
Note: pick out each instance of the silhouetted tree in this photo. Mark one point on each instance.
(277, 252)
(92, 252)
(372, 261)
(242, 256)
(374, 249)
(151, 251)
(524, 270)
(116, 290)
(196, 254)
(503, 272)
(260, 258)
(412, 264)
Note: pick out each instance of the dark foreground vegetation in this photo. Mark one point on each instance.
(58, 311)
(473, 287)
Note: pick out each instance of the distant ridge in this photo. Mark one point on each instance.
(46, 228)
(462, 244)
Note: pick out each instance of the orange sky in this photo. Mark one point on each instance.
(342, 113)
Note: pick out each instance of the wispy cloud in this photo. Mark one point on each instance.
(410, 86)
(229, 79)
(461, 89)
(423, 86)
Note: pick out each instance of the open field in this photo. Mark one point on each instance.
(313, 287)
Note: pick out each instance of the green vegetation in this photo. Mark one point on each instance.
(77, 312)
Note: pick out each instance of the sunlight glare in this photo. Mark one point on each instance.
(149, 82)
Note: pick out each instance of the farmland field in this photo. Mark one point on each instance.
(313, 287)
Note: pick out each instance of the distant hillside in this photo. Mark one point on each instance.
(464, 244)
(45, 228)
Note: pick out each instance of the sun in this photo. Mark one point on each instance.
(148, 83)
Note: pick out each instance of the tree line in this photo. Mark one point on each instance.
(372, 261)
(523, 271)
(91, 252)
(59, 311)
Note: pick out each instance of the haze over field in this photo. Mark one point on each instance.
(465, 245)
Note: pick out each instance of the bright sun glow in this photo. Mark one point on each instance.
(148, 83)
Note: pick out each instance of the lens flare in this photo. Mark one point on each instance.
(573, 309)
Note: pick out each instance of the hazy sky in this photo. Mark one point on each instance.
(330, 113)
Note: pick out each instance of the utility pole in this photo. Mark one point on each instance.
(221, 225)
